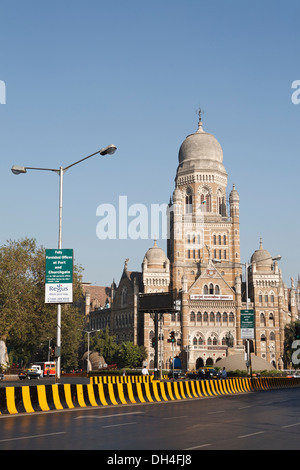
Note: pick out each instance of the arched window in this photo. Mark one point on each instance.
(205, 200)
(272, 336)
(262, 319)
(189, 202)
(217, 290)
(205, 290)
(212, 317)
(124, 297)
(218, 317)
(205, 317)
(231, 317)
(211, 289)
(199, 317)
(195, 341)
(221, 206)
(225, 317)
(192, 316)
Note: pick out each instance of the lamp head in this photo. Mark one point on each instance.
(108, 150)
(18, 170)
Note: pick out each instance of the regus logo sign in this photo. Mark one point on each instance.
(2, 92)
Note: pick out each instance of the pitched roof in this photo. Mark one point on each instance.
(100, 294)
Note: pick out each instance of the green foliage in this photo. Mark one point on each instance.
(131, 355)
(103, 343)
(124, 355)
(26, 322)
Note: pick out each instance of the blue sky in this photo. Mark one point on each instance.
(82, 75)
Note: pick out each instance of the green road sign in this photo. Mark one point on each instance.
(247, 324)
(59, 276)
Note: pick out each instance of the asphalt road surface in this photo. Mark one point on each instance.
(265, 420)
(43, 381)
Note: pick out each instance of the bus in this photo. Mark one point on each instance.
(46, 369)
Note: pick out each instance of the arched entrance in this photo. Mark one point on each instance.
(199, 363)
(209, 362)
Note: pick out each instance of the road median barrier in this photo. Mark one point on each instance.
(36, 398)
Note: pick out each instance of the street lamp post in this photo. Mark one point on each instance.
(17, 170)
(88, 356)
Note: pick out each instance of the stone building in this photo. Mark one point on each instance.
(203, 267)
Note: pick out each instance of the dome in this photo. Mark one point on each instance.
(155, 256)
(202, 149)
(262, 257)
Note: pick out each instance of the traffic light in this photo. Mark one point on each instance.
(153, 342)
(172, 337)
(297, 332)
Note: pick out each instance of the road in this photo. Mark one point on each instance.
(43, 381)
(265, 420)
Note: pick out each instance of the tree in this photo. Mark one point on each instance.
(105, 344)
(131, 355)
(26, 322)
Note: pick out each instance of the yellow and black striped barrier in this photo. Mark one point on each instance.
(114, 379)
(33, 398)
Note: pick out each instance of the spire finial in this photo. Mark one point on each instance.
(260, 243)
(200, 113)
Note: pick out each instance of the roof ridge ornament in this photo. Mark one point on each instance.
(200, 113)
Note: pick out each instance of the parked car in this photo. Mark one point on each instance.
(23, 374)
(204, 373)
(176, 374)
(29, 374)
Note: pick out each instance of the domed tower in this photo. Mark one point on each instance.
(156, 270)
(156, 278)
(201, 228)
(266, 291)
(204, 250)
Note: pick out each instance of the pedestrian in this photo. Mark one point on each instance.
(224, 373)
(145, 371)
